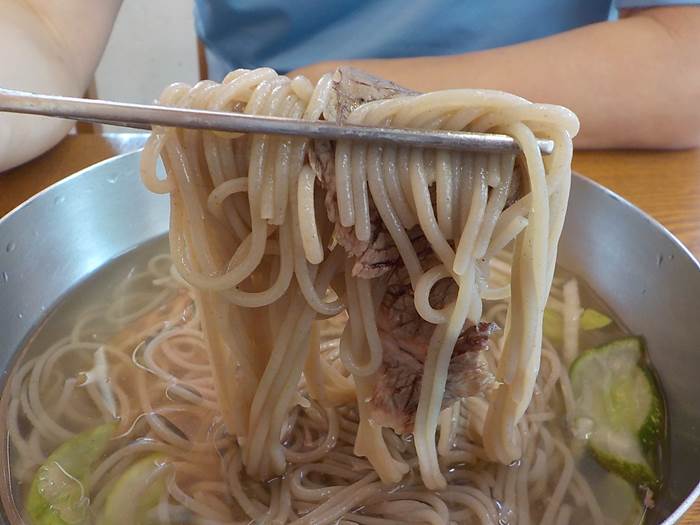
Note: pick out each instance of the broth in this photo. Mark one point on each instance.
(86, 390)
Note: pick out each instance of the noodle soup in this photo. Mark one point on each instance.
(125, 353)
(343, 332)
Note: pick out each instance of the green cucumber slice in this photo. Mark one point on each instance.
(553, 323)
(135, 493)
(58, 494)
(618, 500)
(619, 408)
(593, 320)
(553, 326)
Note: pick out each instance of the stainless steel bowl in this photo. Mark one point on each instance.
(61, 236)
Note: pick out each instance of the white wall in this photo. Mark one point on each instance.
(152, 45)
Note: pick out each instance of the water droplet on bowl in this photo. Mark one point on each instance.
(5, 277)
(59, 199)
(20, 315)
(10, 247)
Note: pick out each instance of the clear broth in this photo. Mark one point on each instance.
(619, 501)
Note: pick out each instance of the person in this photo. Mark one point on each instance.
(630, 69)
(47, 47)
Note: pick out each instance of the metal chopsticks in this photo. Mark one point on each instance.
(145, 116)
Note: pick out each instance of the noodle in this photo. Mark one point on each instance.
(253, 381)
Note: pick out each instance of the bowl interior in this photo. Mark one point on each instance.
(653, 283)
(67, 232)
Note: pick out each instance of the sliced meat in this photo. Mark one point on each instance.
(380, 255)
(351, 88)
(373, 257)
(397, 391)
(404, 333)
(405, 338)
(377, 256)
(469, 373)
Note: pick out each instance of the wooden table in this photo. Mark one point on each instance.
(664, 184)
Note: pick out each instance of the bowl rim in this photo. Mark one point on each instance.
(694, 494)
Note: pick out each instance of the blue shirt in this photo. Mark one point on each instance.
(287, 34)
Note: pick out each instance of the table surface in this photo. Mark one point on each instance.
(664, 184)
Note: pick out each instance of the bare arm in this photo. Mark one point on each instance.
(634, 83)
(51, 47)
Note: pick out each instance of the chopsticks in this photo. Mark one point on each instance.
(142, 116)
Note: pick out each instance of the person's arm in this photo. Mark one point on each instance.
(47, 47)
(633, 83)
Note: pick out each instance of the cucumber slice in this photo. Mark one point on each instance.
(553, 323)
(618, 500)
(135, 493)
(619, 405)
(593, 320)
(553, 326)
(58, 494)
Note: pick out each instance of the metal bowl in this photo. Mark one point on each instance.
(62, 235)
